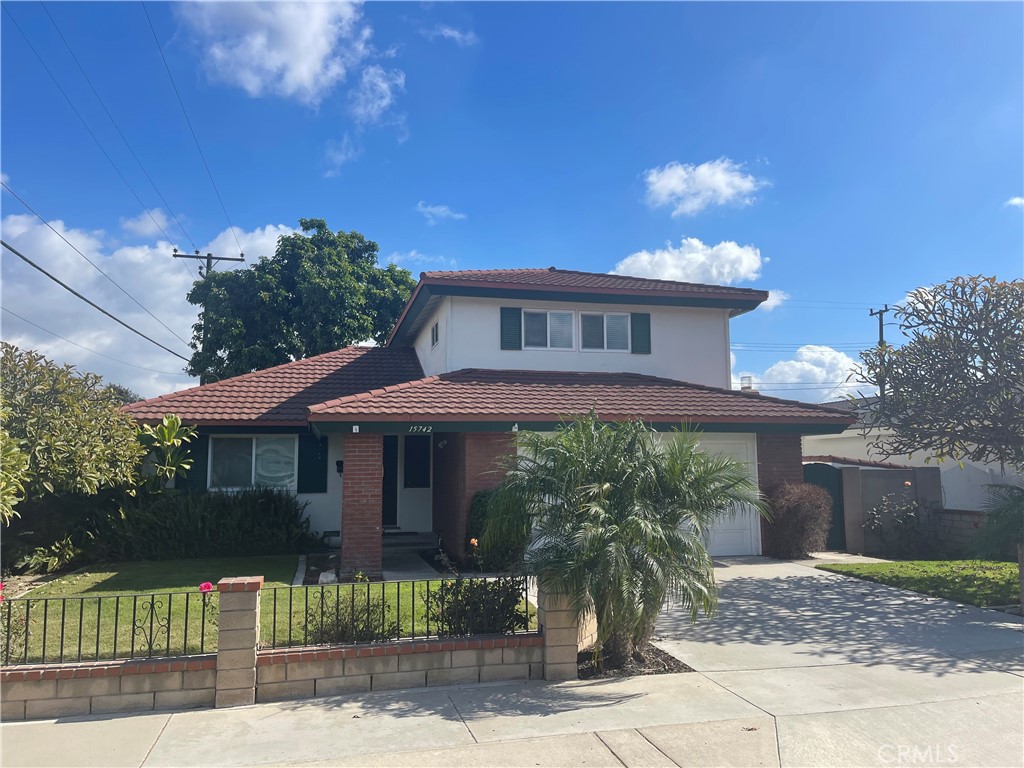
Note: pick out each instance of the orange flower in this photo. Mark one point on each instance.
(473, 542)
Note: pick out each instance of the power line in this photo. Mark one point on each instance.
(117, 127)
(92, 351)
(92, 304)
(195, 138)
(86, 125)
(94, 265)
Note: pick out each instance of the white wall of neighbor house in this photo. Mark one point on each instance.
(688, 344)
(962, 487)
(434, 357)
(324, 510)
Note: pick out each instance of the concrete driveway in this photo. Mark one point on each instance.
(851, 673)
(799, 668)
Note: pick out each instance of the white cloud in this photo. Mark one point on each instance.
(775, 299)
(376, 94)
(695, 262)
(689, 189)
(416, 258)
(339, 153)
(146, 271)
(5, 178)
(146, 224)
(294, 50)
(434, 213)
(444, 32)
(1016, 202)
(814, 373)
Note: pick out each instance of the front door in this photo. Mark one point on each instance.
(389, 491)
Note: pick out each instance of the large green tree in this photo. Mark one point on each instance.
(67, 427)
(955, 388)
(617, 521)
(321, 290)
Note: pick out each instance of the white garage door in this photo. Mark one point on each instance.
(739, 533)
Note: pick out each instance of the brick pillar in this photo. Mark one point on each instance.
(779, 460)
(361, 506)
(238, 634)
(561, 636)
(484, 454)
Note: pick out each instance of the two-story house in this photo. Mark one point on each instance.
(401, 437)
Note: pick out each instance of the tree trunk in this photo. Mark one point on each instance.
(1020, 574)
(616, 651)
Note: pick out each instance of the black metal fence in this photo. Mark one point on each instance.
(364, 612)
(108, 627)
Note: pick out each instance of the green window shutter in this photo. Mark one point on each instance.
(511, 328)
(312, 464)
(640, 333)
(199, 452)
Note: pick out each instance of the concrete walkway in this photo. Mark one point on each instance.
(799, 668)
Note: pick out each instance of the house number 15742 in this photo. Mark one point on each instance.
(420, 428)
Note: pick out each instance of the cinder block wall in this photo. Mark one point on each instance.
(92, 688)
(303, 673)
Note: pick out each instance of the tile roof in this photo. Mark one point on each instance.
(282, 395)
(494, 395)
(572, 279)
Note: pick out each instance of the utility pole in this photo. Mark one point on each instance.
(880, 314)
(210, 261)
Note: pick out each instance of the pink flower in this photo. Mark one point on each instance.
(206, 587)
(907, 483)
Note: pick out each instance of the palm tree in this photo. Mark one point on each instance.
(1005, 525)
(617, 522)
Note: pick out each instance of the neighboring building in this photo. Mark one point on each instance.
(400, 437)
(963, 483)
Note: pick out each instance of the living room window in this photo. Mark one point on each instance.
(249, 462)
(604, 331)
(547, 330)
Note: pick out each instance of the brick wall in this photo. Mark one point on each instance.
(91, 688)
(361, 504)
(302, 673)
(468, 463)
(779, 460)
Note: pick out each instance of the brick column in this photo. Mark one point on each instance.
(561, 636)
(238, 633)
(779, 460)
(361, 505)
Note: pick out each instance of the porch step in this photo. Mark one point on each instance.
(396, 541)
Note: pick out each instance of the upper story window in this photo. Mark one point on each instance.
(604, 331)
(547, 330)
(435, 335)
(248, 462)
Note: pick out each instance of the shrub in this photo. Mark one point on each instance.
(801, 516)
(504, 555)
(349, 618)
(477, 606)
(262, 521)
(904, 527)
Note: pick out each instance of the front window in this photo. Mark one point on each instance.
(604, 331)
(547, 330)
(248, 462)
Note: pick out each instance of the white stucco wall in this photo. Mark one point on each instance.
(686, 343)
(324, 510)
(962, 487)
(434, 359)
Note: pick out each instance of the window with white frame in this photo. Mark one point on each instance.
(435, 335)
(604, 331)
(268, 461)
(547, 330)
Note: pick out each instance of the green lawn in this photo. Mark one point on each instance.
(977, 582)
(143, 599)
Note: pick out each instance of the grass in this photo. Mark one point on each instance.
(976, 582)
(124, 610)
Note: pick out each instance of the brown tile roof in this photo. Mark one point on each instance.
(282, 395)
(568, 279)
(542, 396)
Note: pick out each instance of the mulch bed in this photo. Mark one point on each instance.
(651, 661)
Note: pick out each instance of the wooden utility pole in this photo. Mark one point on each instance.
(210, 260)
(880, 314)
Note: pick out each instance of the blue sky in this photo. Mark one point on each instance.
(837, 154)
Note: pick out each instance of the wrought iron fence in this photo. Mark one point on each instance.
(107, 627)
(364, 612)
